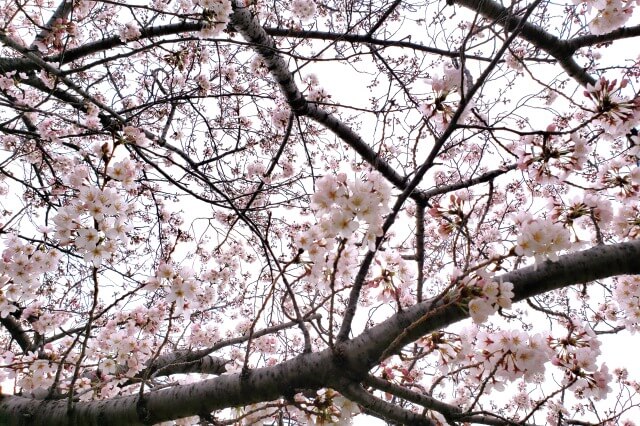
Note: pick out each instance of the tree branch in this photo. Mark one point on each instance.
(322, 369)
(17, 332)
(591, 39)
(447, 410)
(365, 39)
(382, 409)
(253, 32)
(559, 49)
(424, 318)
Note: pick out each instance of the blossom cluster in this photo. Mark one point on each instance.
(280, 117)
(217, 14)
(182, 286)
(451, 349)
(328, 407)
(325, 407)
(120, 346)
(626, 222)
(491, 358)
(340, 203)
(38, 373)
(303, 9)
(340, 206)
(512, 354)
(94, 221)
(576, 354)
(135, 136)
(513, 59)
(497, 357)
(582, 209)
(586, 211)
(440, 107)
(550, 159)
(314, 92)
(391, 279)
(41, 318)
(452, 216)
(627, 296)
(541, 238)
(124, 171)
(21, 266)
(60, 32)
(129, 31)
(488, 295)
(615, 113)
(618, 175)
(494, 358)
(610, 14)
(594, 210)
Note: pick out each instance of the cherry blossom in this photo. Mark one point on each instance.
(488, 296)
(129, 31)
(437, 108)
(303, 9)
(314, 212)
(135, 136)
(542, 239)
(614, 112)
(216, 13)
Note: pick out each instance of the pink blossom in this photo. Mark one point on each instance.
(136, 136)
(303, 9)
(542, 239)
(129, 31)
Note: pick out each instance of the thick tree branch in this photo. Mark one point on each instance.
(557, 48)
(323, 369)
(592, 39)
(382, 409)
(574, 268)
(448, 411)
(265, 384)
(17, 332)
(253, 32)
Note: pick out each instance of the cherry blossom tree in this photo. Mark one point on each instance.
(294, 212)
